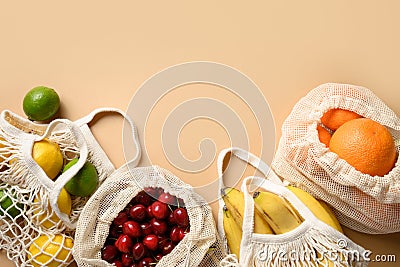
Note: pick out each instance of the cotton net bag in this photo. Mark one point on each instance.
(34, 231)
(200, 247)
(362, 202)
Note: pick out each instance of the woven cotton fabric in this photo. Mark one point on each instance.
(361, 202)
(200, 247)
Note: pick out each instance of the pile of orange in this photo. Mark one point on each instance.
(365, 144)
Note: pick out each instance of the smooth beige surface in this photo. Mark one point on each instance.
(98, 53)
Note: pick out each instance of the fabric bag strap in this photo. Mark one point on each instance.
(84, 121)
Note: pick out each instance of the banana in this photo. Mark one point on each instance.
(277, 212)
(234, 201)
(333, 216)
(233, 232)
(315, 206)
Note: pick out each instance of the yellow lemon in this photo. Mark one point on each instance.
(3, 154)
(64, 204)
(51, 251)
(48, 156)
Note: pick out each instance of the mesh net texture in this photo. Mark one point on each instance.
(362, 202)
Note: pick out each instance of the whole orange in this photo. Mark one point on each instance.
(334, 118)
(366, 145)
(323, 135)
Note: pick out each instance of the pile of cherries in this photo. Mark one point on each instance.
(149, 228)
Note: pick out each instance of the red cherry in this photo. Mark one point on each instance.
(124, 243)
(167, 247)
(147, 229)
(181, 217)
(126, 260)
(158, 257)
(132, 229)
(138, 212)
(117, 263)
(159, 226)
(160, 210)
(115, 231)
(182, 233)
(167, 198)
(175, 234)
(142, 198)
(151, 242)
(138, 251)
(109, 253)
(171, 219)
(149, 212)
(146, 262)
(121, 218)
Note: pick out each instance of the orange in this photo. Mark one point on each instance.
(366, 145)
(334, 118)
(324, 135)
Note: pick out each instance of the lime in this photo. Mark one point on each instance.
(41, 103)
(9, 206)
(48, 156)
(64, 204)
(51, 251)
(84, 183)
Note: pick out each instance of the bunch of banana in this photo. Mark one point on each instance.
(272, 214)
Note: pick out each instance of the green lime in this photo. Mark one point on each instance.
(84, 183)
(41, 103)
(7, 205)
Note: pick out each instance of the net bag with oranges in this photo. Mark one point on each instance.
(341, 143)
(39, 206)
(146, 216)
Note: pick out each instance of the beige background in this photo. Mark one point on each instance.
(96, 54)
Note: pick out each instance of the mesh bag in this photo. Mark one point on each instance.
(200, 247)
(312, 243)
(361, 202)
(34, 231)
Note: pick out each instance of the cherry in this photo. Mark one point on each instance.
(138, 212)
(115, 231)
(160, 210)
(159, 226)
(109, 252)
(151, 242)
(117, 263)
(147, 229)
(181, 203)
(138, 251)
(158, 257)
(167, 198)
(151, 191)
(167, 247)
(149, 212)
(143, 198)
(181, 217)
(171, 219)
(175, 234)
(182, 233)
(146, 262)
(126, 259)
(124, 243)
(121, 218)
(132, 229)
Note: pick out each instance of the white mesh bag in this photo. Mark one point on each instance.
(312, 243)
(200, 247)
(31, 196)
(361, 202)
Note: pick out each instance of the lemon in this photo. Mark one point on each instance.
(41, 103)
(84, 183)
(48, 156)
(51, 251)
(9, 206)
(64, 204)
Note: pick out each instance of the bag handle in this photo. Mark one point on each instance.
(89, 118)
